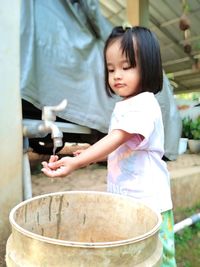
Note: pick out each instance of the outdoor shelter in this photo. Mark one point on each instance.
(181, 67)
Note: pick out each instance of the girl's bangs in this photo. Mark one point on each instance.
(128, 48)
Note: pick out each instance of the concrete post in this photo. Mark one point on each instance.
(10, 114)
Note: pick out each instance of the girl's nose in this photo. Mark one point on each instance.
(117, 75)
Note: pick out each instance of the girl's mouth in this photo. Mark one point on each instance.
(119, 85)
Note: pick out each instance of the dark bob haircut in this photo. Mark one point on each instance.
(148, 56)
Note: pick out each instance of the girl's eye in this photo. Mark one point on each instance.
(127, 67)
(110, 70)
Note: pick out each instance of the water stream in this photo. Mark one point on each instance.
(54, 150)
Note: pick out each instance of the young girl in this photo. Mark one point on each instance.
(134, 144)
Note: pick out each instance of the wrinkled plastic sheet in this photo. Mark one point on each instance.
(62, 58)
(171, 120)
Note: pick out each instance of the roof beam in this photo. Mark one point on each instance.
(180, 60)
(138, 12)
(186, 72)
(176, 61)
(175, 20)
(181, 90)
(169, 36)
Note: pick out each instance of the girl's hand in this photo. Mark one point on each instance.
(58, 168)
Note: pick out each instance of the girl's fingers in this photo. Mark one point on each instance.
(48, 172)
(44, 164)
(53, 173)
(55, 167)
(53, 163)
(53, 158)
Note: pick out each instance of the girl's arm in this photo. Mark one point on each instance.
(64, 166)
(79, 151)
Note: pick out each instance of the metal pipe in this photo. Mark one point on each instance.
(34, 129)
(186, 222)
(27, 184)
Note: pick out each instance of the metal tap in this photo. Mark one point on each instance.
(47, 126)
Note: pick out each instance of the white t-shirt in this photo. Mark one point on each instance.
(136, 167)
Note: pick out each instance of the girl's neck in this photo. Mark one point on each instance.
(125, 98)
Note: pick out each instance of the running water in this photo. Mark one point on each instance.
(54, 153)
(54, 150)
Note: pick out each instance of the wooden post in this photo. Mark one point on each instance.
(138, 12)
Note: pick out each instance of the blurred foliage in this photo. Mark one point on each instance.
(191, 128)
(187, 241)
(189, 96)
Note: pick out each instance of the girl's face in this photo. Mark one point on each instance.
(123, 79)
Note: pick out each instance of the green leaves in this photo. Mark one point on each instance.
(191, 128)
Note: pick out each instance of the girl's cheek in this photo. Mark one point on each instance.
(111, 82)
(111, 76)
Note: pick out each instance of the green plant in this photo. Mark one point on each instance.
(187, 241)
(191, 128)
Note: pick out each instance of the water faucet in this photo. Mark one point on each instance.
(48, 117)
(47, 126)
(38, 129)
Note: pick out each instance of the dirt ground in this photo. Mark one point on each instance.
(92, 177)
